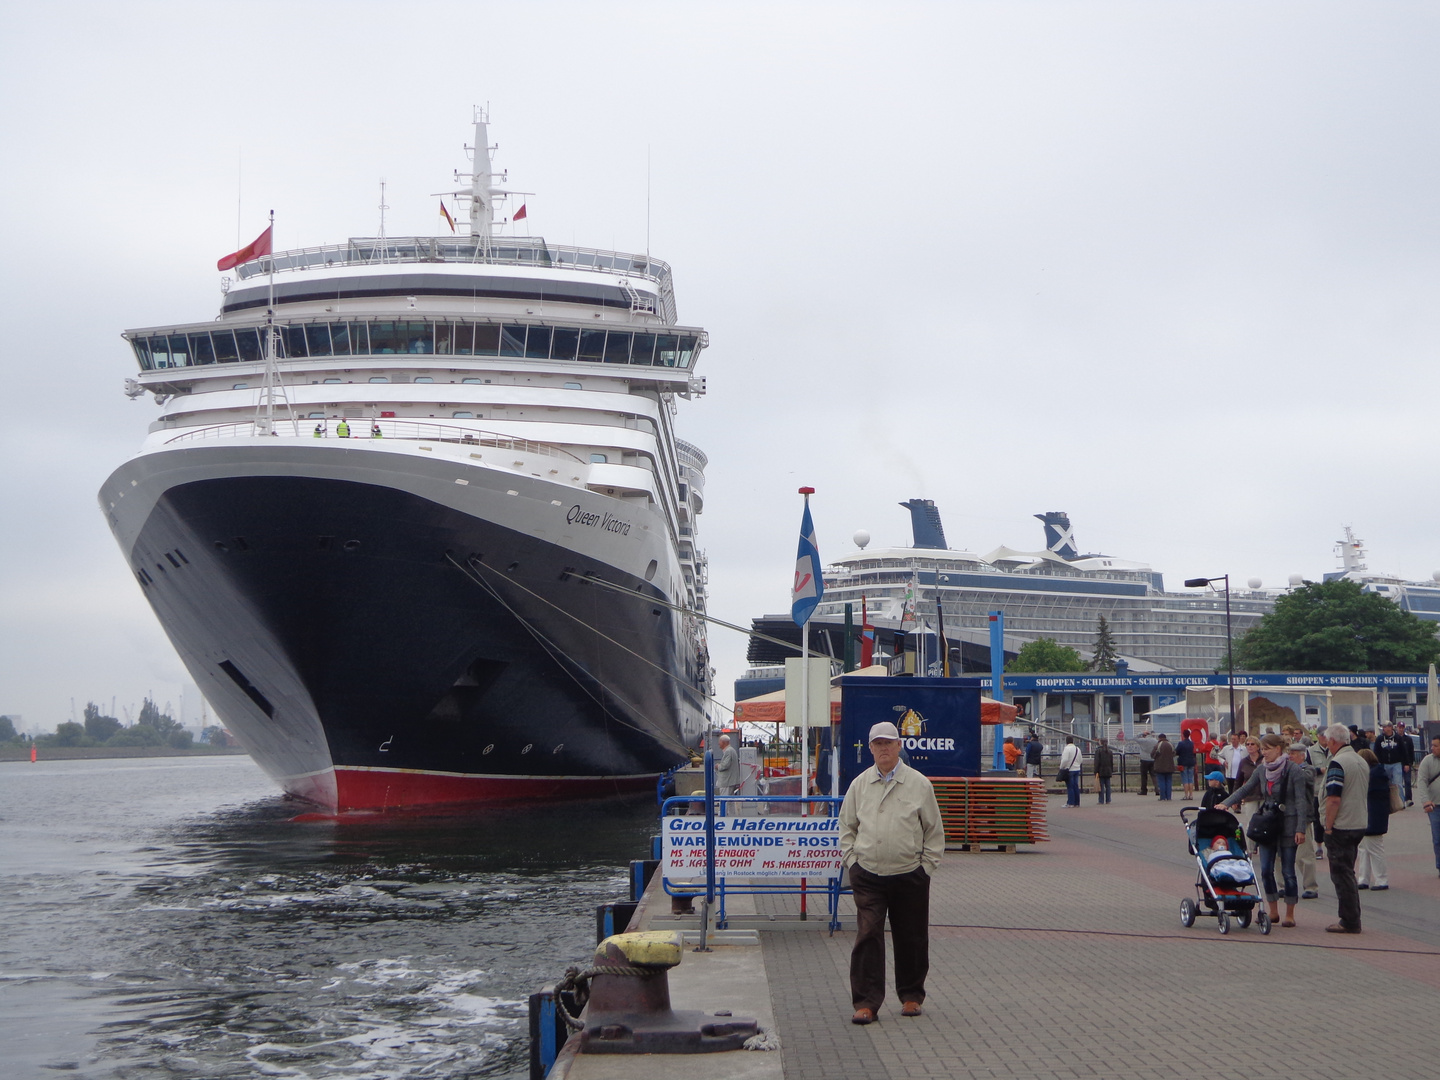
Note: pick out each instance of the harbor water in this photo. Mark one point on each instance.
(171, 918)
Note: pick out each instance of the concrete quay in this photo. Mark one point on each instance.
(1068, 960)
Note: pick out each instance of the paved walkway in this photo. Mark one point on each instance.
(1068, 960)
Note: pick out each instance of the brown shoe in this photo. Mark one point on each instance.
(1337, 928)
(911, 1008)
(863, 1016)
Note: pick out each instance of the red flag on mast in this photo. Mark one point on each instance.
(519, 214)
(253, 250)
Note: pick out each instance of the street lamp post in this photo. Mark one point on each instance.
(1200, 583)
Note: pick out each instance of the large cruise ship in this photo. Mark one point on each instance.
(1055, 592)
(416, 518)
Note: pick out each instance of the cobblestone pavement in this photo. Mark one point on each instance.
(1068, 960)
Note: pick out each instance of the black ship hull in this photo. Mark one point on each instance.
(374, 649)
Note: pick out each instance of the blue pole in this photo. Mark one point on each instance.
(997, 676)
(710, 826)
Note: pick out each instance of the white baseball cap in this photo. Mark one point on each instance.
(884, 730)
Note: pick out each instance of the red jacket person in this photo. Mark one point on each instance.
(891, 839)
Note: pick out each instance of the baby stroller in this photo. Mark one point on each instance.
(1226, 884)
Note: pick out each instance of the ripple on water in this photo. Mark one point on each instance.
(224, 939)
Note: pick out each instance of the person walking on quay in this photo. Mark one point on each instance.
(1146, 746)
(1347, 782)
(1164, 767)
(1069, 768)
(1370, 869)
(1233, 755)
(1034, 752)
(1214, 789)
(1427, 786)
(1305, 851)
(1287, 789)
(1407, 755)
(891, 839)
(1391, 755)
(727, 769)
(1104, 769)
(1185, 758)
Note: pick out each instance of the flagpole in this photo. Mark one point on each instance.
(268, 416)
(805, 716)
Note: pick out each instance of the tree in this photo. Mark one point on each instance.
(99, 727)
(1104, 657)
(1337, 626)
(7, 730)
(1044, 654)
(161, 722)
(68, 734)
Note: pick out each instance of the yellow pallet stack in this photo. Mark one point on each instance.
(991, 810)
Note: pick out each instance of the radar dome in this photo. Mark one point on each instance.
(1296, 580)
(1254, 583)
(1435, 575)
(861, 538)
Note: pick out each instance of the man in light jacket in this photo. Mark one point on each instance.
(1347, 815)
(891, 839)
(1070, 767)
(1427, 789)
(1146, 745)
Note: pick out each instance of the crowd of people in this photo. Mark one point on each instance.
(1326, 794)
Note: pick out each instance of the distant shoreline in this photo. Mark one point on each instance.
(79, 753)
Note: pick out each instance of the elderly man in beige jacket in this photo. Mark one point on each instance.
(891, 839)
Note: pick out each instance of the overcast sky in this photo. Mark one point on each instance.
(1169, 267)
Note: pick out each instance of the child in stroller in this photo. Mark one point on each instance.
(1225, 883)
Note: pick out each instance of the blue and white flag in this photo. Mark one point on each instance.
(809, 585)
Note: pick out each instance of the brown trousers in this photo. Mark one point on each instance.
(906, 899)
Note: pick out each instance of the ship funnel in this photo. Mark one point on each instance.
(925, 524)
(1059, 537)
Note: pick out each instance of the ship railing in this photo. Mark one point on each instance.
(503, 251)
(404, 430)
(432, 249)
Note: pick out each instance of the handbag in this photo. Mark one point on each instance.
(1063, 775)
(1397, 801)
(1266, 823)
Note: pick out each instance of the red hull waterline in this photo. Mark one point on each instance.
(348, 789)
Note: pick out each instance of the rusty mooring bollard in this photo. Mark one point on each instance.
(629, 1004)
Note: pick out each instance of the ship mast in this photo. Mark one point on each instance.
(270, 384)
(482, 191)
(1352, 552)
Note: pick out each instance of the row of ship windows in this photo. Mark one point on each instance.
(418, 338)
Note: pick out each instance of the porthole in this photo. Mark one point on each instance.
(650, 570)
(352, 545)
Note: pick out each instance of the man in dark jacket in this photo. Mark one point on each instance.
(1407, 758)
(1185, 758)
(1104, 769)
(1164, 767)
(1391, 753)
(1034, 750)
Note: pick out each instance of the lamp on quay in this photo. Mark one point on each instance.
(1200, 583)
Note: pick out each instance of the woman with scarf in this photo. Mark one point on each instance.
(1275, 781)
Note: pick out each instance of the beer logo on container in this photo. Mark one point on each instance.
(912, 732)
